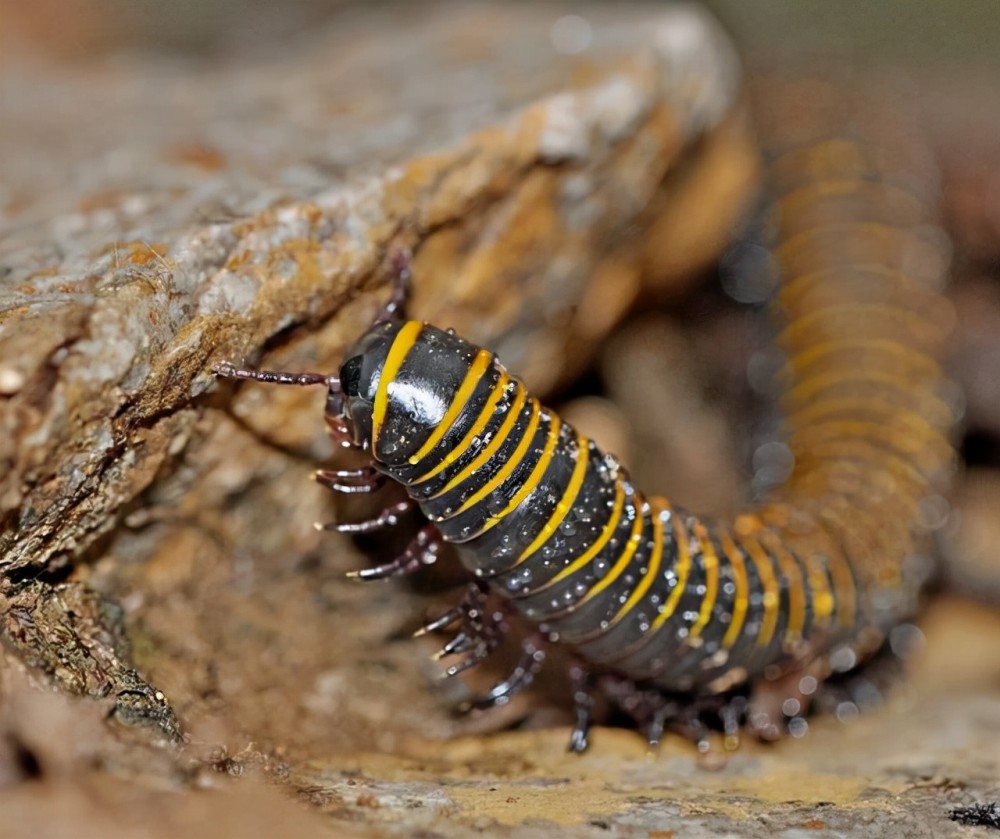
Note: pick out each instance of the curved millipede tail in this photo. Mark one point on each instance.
(687, 624)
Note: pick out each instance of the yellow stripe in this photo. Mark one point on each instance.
(503, 432)
(809, 387)
(479, 366)
(805, 328)
(489, 409)
(771, 595)
(792, 573)
(683, 570)
(565, 503)
(508, 468)
(855, 405)
(843, 579)
(403, 343)
(654, 567)
(585, 558)
(742, 599)
(533, 479)
(655, 507)
(711, 565)
(791, 292)
(816, 578)
(906, 355)
(623, 562)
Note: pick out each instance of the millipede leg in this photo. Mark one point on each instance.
(423, 550)
(402, 276)
(654, 731)
(583, 705)
(523, 674)
(691, 725)
(479, 655)
(732, 715)
(442, 622)
(340, 433)
(389, 517)
(481, 630)
(351, 481)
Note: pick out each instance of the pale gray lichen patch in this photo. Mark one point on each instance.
(565, 136)
(618, 105)
(229, 293)
(110, 349)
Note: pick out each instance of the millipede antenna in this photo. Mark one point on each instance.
(277, 377)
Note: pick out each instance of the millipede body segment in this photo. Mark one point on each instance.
(676, 614)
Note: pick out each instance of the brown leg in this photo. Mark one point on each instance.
(422, 551)
(351, 481)
(523, 674)
(402, 276)
(582, 683)
(481, 630)
(389, 517)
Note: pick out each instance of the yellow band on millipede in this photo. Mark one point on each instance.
(508, 468)
(741, 600)
(533, 480)
(588, 555)
(565, 503)
(489, 409)
(476, 371)
(491, 448)
(683, 569)
(401, 346)
(710, 562)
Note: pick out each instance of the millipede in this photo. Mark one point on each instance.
(685, 624)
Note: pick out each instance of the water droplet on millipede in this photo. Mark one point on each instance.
(601, 567)
(495, 504)
(567, 528)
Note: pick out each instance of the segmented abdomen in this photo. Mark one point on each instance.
(648, 590)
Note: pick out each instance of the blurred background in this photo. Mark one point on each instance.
(907, 32)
